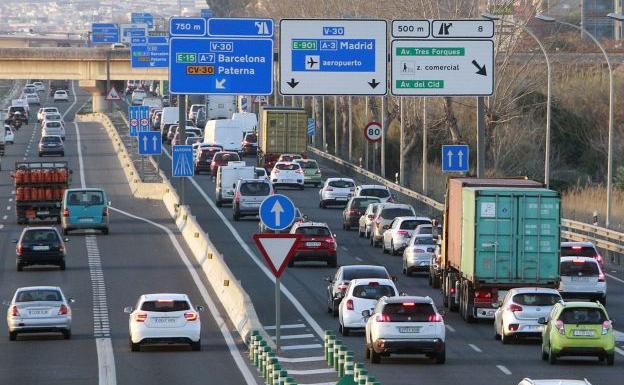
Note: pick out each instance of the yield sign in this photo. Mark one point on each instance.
(113, 94)
(277, 250)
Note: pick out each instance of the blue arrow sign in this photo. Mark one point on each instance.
(277, 212)
(104, 33)
(455, 158)
(182, 160)
(311, 127)
(187, 26)
(144, 18)
(138, 40)
(144, 118)
(133, 119)
(235, 27)
(128, 31)
(150, 143)
(159, 55)
(221, 66)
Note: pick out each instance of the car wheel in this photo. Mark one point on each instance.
(196, 345)
(552, 358)
(291, 263)
(360, 233)
(366, 351)
(135, 347)
(335, 312)
(440, 358)
(367, 234)
(12, 336)
(322, 204)
(392, 250)
(344, 331)
(610, 359)
(347, 227)
(105, 231)
(497, 336)
(236, 216)
(375, 357)
(218, 203)
(544, 354)
(383, 247)
(62, 265)
(301, 187)
(65, 231)
(20, 267)
(63, 153)
(332, 261)
(66, 334)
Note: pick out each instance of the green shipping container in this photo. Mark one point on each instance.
(510, 236)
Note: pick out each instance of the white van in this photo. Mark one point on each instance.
(220, 106)
(168, 117)
(225, 132)
(227, 176)
(152, 102)
(248, 120)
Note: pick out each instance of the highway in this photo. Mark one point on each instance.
(469, 346)
(104, 274)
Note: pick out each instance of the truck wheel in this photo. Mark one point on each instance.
(20, 267)
(440, 358)
(610, 359)
(552, 357)
(375, 357)
(12, 336)
(62, 265)
(105, 231)
(65, 231)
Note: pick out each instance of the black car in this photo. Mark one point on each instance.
(40, 246)
(51, 145)
(355, 209)
(250, 144)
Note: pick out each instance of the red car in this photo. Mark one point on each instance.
(317, 243)
(222, 158)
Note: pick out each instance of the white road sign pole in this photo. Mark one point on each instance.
(278, 316)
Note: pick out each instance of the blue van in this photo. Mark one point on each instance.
(85, 208)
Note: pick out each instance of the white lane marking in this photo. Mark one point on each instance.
(359, 259)
(73, 103)
(320, 383)
(616, 278)
(475, 348)
(10, 199)
(302, 359)
(504, 369)
(294, 336)
(8, 207)
(301, 347)
(212, 307)
(261, 265)
(287, 326)
(312, 371)
(4, 218)
(449, 328)
(12, 192)
(1, 227)
(619, 351)
(344, 248)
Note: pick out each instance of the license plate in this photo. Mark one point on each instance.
(408, 329)
(486, 312)
(85, 220)
(43, 213)
(341, 199)
(41, 248)
(583, 333)
(164, 320)
(38, 312)
(580, 278)
(534, 327)
(313, 244)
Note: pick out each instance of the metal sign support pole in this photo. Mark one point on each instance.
(108, 81)
(182, 135)
(480, 137)
(277, 314)
(424, 146)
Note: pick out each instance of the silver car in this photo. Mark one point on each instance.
(39, 309)
(398, 236)
(418, 253)
(248, 195)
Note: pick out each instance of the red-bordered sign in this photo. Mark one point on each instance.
(277, 250)
(373, 131)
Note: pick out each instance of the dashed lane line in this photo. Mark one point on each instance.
(504, 369)
(301, 347)
(312, 371)
(615, 278)
(619, 351)
(287, 326)
(475, 348)
(294, 336)
(449, 328)
(302, 359)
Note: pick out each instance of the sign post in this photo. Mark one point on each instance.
(277, 212)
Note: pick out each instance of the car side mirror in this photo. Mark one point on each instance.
(200, 308)
(403, 294)
(394, 278)
(233, 185)
(541, 320)
(612, 321)
(128, 309)
(366, 313)
(442, 313)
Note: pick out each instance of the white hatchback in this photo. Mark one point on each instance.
(61, 95)
(362, 294)
(164, 319)
(374, 190)
(582, 278)
(287, 174)
(336, 191)
(46, 110)
(397, 237)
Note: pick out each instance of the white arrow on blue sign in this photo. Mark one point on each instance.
(182, 160)
(455, 158)
(150, 143)
(240, 27)
(277, 212)
(134, 116)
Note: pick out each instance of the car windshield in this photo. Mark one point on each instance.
(50, 110)
(53, 117)
(40, 235)
(53, 124)
(373, 291)
(314, 231)
(207, 153)
(60, 93)
(411, 224)
(536, 299)
(359, 203)
(391, 213)
(38, 295)
(341, 184)
(409, 312)
(309, 164)
(51, 139)
(578, 251)
(287, 166)
(425, 229)
(165, 306)
(85, 198)
(579, 269)
(375, 192)
(583, 316)
(226, 157)
(255, 188)
(355, 273)
(251, 138)
(423, 241)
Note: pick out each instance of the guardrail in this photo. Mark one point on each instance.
(603, 238)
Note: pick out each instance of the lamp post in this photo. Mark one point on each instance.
(549, 19)
(548, 92)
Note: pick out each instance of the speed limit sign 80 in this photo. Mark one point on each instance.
(372, 131)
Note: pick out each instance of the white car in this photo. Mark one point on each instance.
(9, 134)
(529, 381)
(39, 309)
(582, 278)
(395, 239)
(164, 319)
(374, 190)
(287, 174)
(518, 312)
(46, 110)
(362, 294)
(366, 221)
(405, 325)
(39, 86)
(53, 127)
(261, 173)
(52, 116)
(418, 253)
(33, 99)
(336, 191)
(61, 95)
(137, 97)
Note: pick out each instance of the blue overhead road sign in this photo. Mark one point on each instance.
(277, 212)
(311, 127)
(220, 66)
(150, 143)
(145, 18)
(182, 160)
(187, 26)
(235, 27)
(140, 56)
(455, 158)
(104, 33)
(157, 40)
(134, 116)
(128, 31)
(159, 55)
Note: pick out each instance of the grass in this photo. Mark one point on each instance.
(581, 202)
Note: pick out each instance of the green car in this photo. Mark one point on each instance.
(578, 329)
(311, 171)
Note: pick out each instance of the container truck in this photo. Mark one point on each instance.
(497, 234)
(39, 189)
(283, 130)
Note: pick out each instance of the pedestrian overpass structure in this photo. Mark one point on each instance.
(90, 66)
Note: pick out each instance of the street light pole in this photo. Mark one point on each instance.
(611, 105)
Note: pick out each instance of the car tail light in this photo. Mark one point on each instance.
(191, 316)
(105, 212)
(20, 249)
(599, 258)
(606, 325)
(513, 327)
(237, 197)
(514, 308)
(560, 327)
(349, 304)
(14, 311)
(140, 317)
(577, 247)
(483, 294)
(63, 310)
(329, 189)
(409, 304)
(318, 172)
(433, 317)
(66, 212)
(578, 261)
(601, 277)
(343, 286)
(452, 291)
(383, 318)
(61, 248)
(403, 233)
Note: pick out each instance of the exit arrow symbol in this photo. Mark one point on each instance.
(220, 84)
(481, 69)
(292, 83)
(374, 83)
(277, 209)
